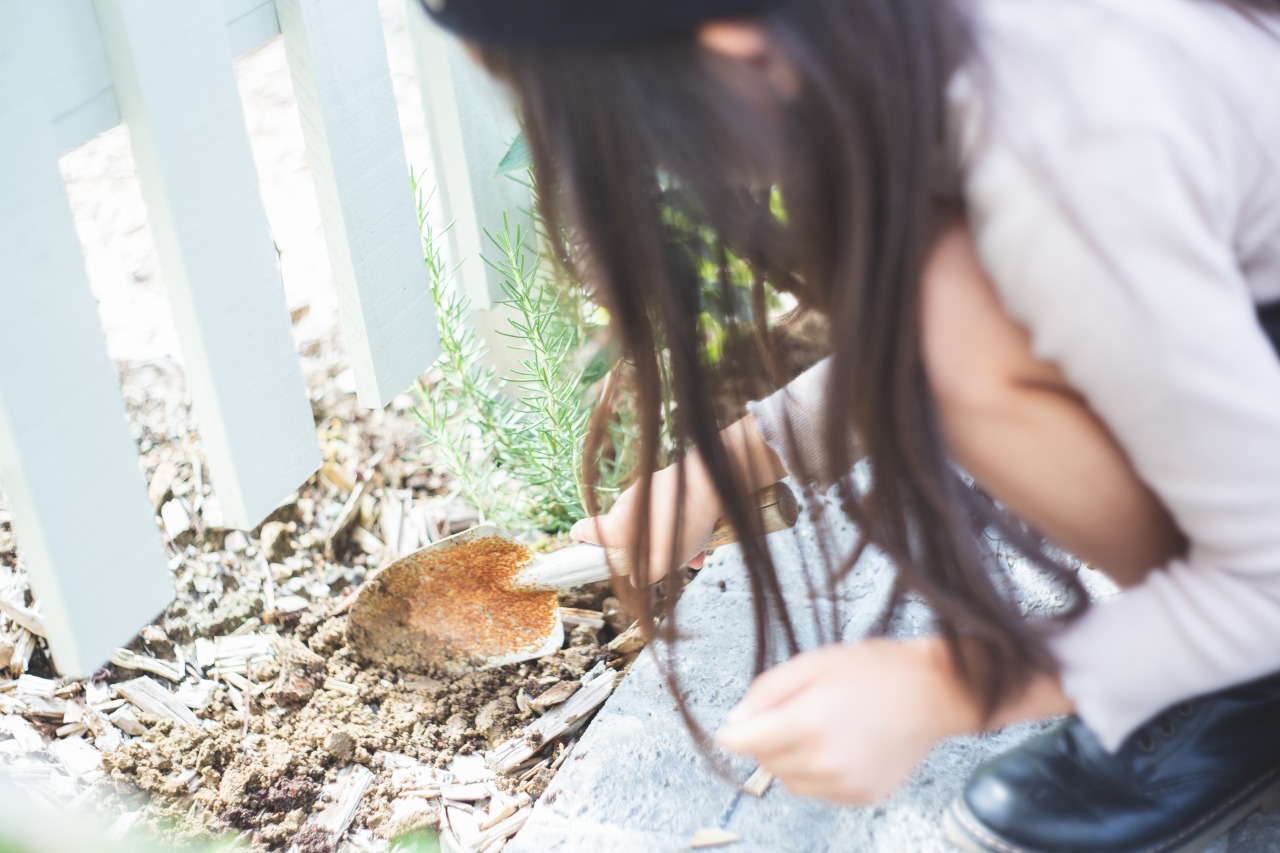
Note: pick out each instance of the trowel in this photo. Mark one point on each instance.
(480, 599)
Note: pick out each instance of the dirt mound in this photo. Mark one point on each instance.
(258, 764)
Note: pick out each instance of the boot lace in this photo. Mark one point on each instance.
(1164, 726)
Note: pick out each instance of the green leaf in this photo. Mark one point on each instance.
(519, 158)
(421, 841)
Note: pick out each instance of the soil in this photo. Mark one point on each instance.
(260, 773)
(257, 766)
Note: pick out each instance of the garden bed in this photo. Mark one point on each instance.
(242, 710)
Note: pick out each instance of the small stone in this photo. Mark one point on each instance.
(276, 540)
(583, 636)
(338, 579)
(307, 510)
(340, 745)
(455, 728)
(177, 521)
(495, 718)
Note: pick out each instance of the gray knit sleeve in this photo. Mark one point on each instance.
(790, 421)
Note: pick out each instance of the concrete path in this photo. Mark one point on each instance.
(637, 783)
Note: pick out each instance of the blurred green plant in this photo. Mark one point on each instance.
(519, 158)
(25, 831)
(421, 841)
(514, 445)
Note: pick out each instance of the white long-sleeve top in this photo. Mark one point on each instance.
(1121, 164)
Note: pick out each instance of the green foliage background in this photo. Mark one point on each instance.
(514, 446)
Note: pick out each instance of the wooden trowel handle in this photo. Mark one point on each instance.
(775, 506)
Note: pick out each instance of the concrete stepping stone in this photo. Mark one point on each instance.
(636, 783)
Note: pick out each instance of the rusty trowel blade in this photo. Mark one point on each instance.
(450, 606)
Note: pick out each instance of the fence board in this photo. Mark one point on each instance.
(172, 68)
(338, 60)
(74, 67)
(68, 461)
(76, 80)
(250, 23)
(471, 123)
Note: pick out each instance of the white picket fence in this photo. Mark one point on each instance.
(70, 69)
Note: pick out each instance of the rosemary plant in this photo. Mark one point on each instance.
(514, 446)
(551, 417)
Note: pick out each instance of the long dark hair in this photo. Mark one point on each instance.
(624, 134)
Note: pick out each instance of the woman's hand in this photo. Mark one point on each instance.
(756, 466)
(697, 517)
(849, 723)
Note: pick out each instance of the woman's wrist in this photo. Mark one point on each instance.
(962, 711)
(700, 490)
(754, 459)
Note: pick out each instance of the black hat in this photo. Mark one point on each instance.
(561, 22)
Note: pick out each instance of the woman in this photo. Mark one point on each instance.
(1040, 232)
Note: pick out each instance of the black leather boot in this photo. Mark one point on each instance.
(1175, 785)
